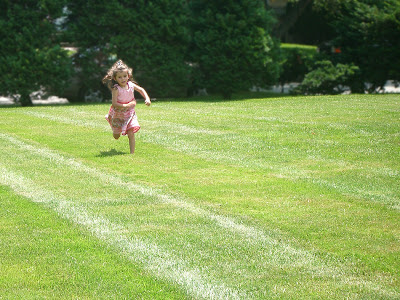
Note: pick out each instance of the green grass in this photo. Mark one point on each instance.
(293, 197)
(298, 46)
(43, 256)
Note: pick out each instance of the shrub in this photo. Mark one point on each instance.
(327, 78)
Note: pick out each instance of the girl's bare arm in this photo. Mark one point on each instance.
(143, 92)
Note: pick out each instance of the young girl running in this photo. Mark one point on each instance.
(122, 116)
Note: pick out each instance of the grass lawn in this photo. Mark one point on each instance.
(289, 197)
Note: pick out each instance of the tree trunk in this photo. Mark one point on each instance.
(25, 100)
(290, 18)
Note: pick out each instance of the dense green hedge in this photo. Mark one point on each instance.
(178, 46)
(173, 46)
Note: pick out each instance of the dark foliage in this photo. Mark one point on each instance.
(232, 46)
(30, 56)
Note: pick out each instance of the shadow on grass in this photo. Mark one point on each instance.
(111, 152)
(219, 98)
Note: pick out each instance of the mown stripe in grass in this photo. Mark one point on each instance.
(45, 257)
(154, 258)
(254, 235)
(281, 253)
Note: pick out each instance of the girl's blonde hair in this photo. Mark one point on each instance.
(119, 66)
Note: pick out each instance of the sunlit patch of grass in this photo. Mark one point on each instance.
(43, 256)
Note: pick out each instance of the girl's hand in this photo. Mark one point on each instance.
(131, 104)
(144, 94)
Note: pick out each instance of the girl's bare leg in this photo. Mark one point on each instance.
(131, 136)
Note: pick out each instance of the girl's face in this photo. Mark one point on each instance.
(121, 78)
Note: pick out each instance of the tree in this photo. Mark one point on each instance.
(150, 36)
(157, 45)
(294, 10)
(232, 45)
(368, 32)
(31, 58)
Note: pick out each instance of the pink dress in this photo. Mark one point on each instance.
(121, 119)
